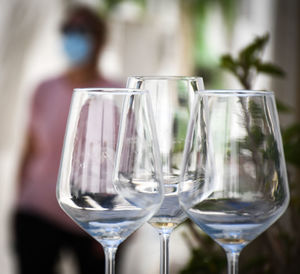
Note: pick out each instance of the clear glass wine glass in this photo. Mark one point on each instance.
(172, 99)
(234, 183)
(110, 179)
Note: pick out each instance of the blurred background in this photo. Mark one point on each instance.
(156, 37)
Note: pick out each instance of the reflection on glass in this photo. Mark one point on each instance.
(234, 183)
(110, 180)
(172, 98)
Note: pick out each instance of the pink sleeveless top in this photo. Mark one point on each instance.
(47, 125)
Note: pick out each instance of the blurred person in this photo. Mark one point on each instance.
(42, 229)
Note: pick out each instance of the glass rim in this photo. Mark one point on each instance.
(165, 77)
(120, 91)
(235, 92)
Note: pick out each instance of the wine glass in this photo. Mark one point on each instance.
(172, 99)
(234, 182)
(110, 179)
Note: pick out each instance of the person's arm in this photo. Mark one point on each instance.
(27, 152)
(29, 146)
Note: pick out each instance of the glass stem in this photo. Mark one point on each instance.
(164, 252)
(110, 254)
(233, 262)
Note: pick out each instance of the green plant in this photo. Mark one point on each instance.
(248, 63)
(279, 247)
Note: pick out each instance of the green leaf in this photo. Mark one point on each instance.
(229, 63)
(250, 52)
(269, 68)
(255, 110)
(271, 151)
(257, 135)
(291, 131)
(281, 107)
(291, 143)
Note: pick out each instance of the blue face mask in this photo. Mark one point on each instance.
(78, 47)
